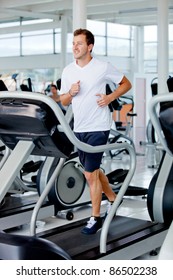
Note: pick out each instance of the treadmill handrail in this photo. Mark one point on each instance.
(60, 117)
(123, 188)
(84, 147)
(152, 109)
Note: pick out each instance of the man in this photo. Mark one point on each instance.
(83, 83)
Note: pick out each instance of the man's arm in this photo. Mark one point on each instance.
(124, 86)
(65, 99)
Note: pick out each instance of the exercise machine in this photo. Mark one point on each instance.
(30, 126)
(160, 199)
(47, 132)
(150, 132)
(15, 247)
(154, 153)
(18, 203)
(9, 137)
(117, 136)
(16, 207)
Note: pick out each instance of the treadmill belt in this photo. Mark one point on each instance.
(123, 231)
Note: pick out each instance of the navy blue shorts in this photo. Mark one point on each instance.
(92, 161)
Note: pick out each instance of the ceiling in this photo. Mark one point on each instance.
(131, 12)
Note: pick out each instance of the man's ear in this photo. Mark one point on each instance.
(90, 47)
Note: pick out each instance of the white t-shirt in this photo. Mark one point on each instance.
(93, 77)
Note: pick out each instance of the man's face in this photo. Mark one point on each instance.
(80, 47)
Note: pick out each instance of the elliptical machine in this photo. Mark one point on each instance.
(160, 192)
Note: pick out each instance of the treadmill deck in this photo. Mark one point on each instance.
(123, 232)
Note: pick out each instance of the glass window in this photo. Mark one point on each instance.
(132, 32)
(37, 32)
(171, 66)
(57, 30)
(150, 33)
(118, 30)
(40, 44)
(150, 51)
(171, 32)
(118, 47)
(97, 27)
(35, 21)
(100, 45)
(57, 42)
(171, 50)
(4, 36)
(150, 66)
(69, 42)
(10, 47)
(132, 49)
(9, 24)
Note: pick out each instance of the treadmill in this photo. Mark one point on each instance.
(34, 124)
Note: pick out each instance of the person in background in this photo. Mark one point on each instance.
(55, 96)
(83, 83)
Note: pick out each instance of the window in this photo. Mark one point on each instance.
(57, 38)
(118, 47)
(35, 21)
(118, 30)
(98, 28)
(150, 49)
(37, 42)
(10, 45)
(69, 42)
(119, 40)
(100, 45)
(150, 33)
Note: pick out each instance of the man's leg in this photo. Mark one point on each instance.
(93, 179)
(98, 182)
(95, 222)
(106, 187)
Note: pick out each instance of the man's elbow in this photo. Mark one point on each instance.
(129, 85)
(126, 83)
(62, 102)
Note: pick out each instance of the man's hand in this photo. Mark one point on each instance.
(75, 88)
(103, 100)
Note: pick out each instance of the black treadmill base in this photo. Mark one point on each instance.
(124, 231)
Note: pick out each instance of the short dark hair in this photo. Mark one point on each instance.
(54, 86)
(88, 34)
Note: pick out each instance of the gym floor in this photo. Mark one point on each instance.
(132, 206)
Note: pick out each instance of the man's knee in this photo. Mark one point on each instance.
(91, 176)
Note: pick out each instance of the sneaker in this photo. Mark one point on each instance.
(109, 205)
(93, 225)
